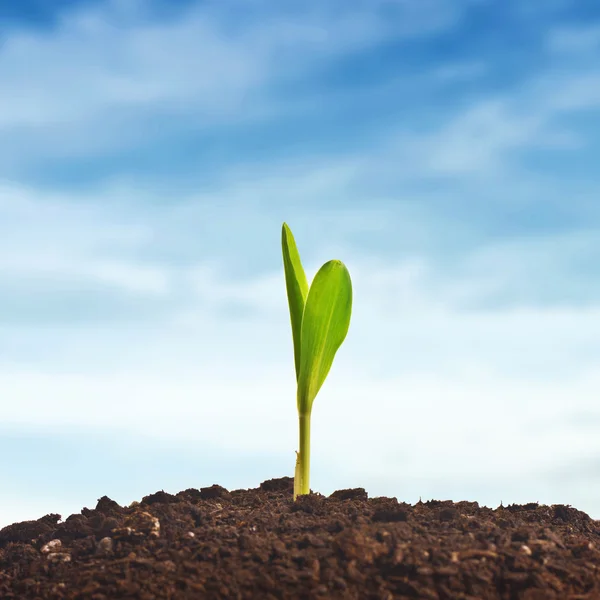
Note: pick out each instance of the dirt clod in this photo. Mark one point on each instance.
(216, 544)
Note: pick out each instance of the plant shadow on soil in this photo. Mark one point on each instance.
(259, 543)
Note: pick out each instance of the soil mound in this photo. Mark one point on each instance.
(245, 544)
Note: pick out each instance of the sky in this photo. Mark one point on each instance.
(445, 150)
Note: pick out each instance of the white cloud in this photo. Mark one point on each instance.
(389, 427)
(91, 67)
(461, 71)
(575, 40)
(120, 274)
(50, 237)
(68, 221)
(482, 139)
(102, 74)
(135, 92)
(473, 142)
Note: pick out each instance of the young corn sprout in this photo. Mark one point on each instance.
(320, 316)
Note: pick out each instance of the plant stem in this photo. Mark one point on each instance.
(305, 454)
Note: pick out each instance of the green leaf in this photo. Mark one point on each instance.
(297, 288)
(324, 327)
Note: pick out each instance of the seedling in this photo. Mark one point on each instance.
(320, 317)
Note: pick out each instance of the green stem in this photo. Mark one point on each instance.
(304, 454)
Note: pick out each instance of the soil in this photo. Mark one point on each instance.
(215, 544)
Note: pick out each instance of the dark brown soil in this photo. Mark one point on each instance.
(211, 543)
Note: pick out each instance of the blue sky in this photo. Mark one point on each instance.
(445, 150)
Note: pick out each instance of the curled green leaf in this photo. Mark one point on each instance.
(325, 324)
(297, 288)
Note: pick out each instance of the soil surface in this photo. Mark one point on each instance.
(212, 543)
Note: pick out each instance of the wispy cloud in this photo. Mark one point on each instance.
(107, 82)
(575, 39)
